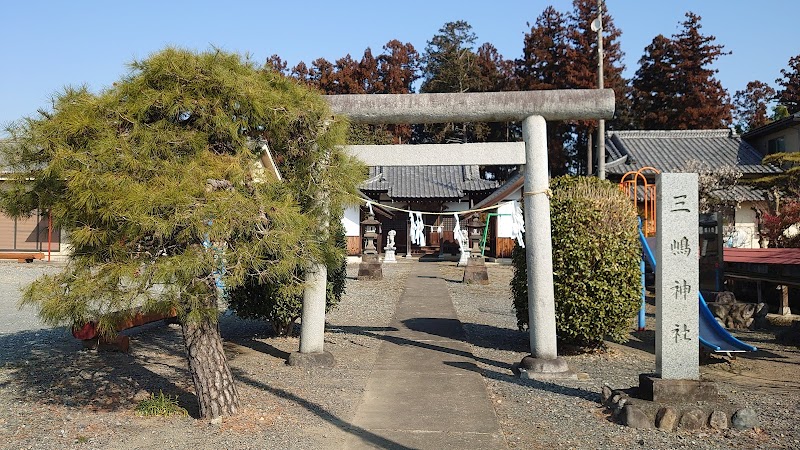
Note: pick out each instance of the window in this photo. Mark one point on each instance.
(777, 145)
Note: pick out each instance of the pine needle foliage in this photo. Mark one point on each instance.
(596, 257)
(143, 173)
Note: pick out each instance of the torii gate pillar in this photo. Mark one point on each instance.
(538, 242)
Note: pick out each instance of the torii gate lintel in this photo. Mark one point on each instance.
(533, 108)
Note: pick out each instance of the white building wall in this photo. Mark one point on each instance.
(744, 233)
(504, 221)
(351, 221)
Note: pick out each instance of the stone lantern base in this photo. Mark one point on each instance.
(370, 267)
(475, 272)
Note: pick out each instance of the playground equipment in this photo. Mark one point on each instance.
(630, 184)
(712, 335)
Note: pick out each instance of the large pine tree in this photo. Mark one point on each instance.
(675, 86)
(155, 180)
(450, 65)
(450, 61)
(453, 64)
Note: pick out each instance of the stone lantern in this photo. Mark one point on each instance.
(475, 271)
(370, 267)
(475, 229)
(370, 235)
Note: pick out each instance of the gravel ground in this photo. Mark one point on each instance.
(567, 414)
(54, 394)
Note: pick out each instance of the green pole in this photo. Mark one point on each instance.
(486, 230)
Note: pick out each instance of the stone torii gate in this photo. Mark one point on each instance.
(533, 108)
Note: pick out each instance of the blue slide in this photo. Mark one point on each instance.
(712, 335)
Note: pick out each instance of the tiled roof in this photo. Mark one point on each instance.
(452, 182)
(737, 193)
(741, 193)
(672, 149)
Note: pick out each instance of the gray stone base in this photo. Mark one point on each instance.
(370, 268)
(671, 405)
(389, 256)
(631, 410)
(654, 388)
(321, 359)
(531, 368)
(475, 272)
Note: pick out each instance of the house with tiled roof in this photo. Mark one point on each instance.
(776, 137)
(672, 150)
(432, 189)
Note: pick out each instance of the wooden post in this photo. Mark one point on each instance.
(784, 306)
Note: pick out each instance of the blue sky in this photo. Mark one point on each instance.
(49, 45)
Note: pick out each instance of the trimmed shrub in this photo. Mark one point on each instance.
(596, 256)
(280, 302)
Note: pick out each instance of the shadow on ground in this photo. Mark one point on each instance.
(318, 410)
(495, 370)
(51, 367)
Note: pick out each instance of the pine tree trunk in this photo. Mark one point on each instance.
(213, 381)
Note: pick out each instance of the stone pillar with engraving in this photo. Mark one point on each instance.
(677, 377)
(677, 277)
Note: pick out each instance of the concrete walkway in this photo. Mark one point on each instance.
(425, 391)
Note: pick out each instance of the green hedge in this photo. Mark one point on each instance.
(596, 256)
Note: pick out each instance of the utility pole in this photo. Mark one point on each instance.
(597, 25)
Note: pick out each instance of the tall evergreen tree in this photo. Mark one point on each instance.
(654, 85)
(347, 77)
(450, 62)
(789, 94)
(155, 181)
(367, 74)
(705, 103)
(560, 52)
(544, 53)
(450, 65)
(581, 71)
(675, 88)
(322, 75)
(301, 73)
(752, 105)
(277, 64)
(398, 68)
